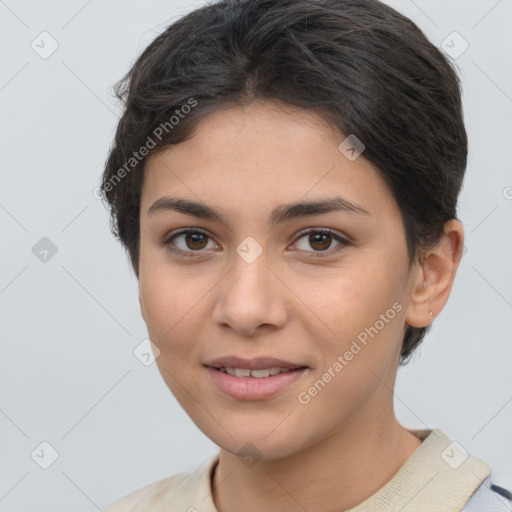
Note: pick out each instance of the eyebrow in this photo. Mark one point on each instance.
(278, 215)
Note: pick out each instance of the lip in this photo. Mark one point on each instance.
(253, 388)
(257, 363)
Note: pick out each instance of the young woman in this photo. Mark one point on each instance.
(285, 179)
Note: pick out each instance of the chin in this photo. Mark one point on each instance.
(256, 444)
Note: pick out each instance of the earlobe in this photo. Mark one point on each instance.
(435, 277)
(417, 314)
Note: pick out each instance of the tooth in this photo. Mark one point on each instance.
(242, 372)
(260, 373)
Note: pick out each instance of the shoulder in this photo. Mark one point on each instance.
(489, 497)
(181, 491)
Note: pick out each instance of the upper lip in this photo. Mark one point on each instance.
(257, 363)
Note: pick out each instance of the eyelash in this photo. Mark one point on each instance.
(314, 254)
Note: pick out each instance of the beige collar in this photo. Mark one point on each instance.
(439, 476)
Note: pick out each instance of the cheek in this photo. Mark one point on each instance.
(171, 300)
(359, 319)
(339, 305)
(171, 308)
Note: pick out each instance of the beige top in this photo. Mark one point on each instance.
(439, 476)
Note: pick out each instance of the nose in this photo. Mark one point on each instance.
(250, 297)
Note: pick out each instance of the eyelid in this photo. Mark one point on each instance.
(185, 231)
(326, 231)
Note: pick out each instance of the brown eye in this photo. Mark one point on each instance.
(195, 241)
(321, 240)
(188, 242)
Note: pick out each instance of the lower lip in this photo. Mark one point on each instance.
(253, 388)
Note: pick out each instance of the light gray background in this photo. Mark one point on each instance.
(68, 328)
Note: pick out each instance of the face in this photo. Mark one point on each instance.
(238, 284)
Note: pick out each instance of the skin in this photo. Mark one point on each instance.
(346, 443)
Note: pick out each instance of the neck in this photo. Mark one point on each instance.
(333, 475)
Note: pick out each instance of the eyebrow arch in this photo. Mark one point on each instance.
(278, 214)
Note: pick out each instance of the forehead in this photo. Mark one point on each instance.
(264, 154)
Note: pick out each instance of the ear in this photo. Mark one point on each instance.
(434, 276)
